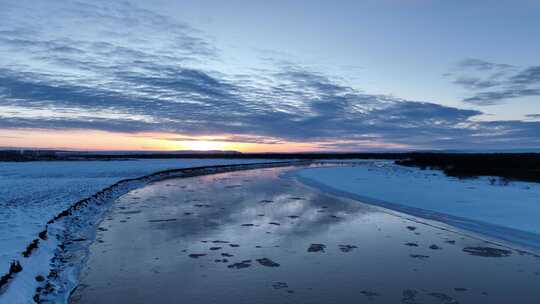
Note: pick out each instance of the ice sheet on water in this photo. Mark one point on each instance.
(31, 193)
(509, 212)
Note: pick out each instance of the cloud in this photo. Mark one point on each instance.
(301, 106)
(527, 76)
(475, 83)
(127, 69)
(494, 83)
(495, 97)
(482, 65)
(231, 138)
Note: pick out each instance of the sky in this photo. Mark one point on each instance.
(260, 76)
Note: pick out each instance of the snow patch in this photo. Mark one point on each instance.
(508, 212)
(33, 193)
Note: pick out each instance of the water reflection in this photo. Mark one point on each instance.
(253, 237)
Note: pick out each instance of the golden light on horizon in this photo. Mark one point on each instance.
(92, 140)
(203, 145)
(200, 145)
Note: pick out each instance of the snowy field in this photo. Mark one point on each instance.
(510, 212)
(31, 193)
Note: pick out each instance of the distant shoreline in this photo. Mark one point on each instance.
(507, 166)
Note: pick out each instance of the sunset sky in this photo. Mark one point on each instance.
(270, 75)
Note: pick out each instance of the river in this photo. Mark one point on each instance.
(260, 236)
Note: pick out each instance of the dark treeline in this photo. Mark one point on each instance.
(522, 166)
(62, 155)
(511, 166)
(312, 156)
(30, 155)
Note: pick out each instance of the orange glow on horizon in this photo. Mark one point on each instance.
(90, 140)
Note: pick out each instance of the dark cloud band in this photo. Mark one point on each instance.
(126, 75)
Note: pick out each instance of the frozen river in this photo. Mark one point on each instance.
(258, 237)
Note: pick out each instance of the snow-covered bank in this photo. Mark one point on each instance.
(510, 212)
(32, 193)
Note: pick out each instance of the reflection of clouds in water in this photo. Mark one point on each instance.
(229, 208)
(277, 210)
(365, 247)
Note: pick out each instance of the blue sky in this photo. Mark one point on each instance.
(347, 75)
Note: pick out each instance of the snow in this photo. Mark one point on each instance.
(507, 212)
(31, 193)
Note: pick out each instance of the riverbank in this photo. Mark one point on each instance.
(29, 272)
(506, 211)
(253, 236)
